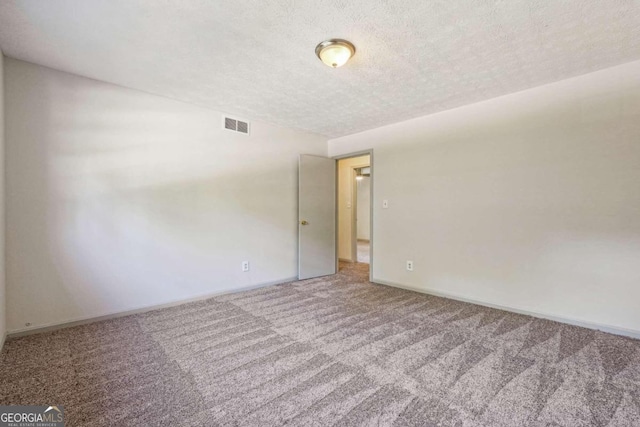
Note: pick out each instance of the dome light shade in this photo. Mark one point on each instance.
(335, 52)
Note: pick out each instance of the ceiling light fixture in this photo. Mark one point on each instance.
(335, 52)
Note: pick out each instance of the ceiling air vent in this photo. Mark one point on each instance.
(236, 125)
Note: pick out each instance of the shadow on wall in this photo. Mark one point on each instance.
(124, 200)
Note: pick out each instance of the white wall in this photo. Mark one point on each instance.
(346, 194)
(3, 308)
(118, 200)
(364, 207)
(529, 201)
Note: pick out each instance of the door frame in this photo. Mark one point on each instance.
(371, 205)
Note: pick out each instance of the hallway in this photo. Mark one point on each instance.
(363, 251)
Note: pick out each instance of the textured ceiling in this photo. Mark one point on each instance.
(255, 58)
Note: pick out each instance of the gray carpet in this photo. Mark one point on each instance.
(328, 351)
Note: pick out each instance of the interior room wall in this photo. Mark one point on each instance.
(346, 195)
(119, 200)
(528, 201)
(3, 307)
(364, 208)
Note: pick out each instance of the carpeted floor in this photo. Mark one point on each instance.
(328, 351)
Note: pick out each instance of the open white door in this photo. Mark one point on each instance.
(316, 217)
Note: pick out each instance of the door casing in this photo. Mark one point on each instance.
(371, 205)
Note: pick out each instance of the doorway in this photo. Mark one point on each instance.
(354, 209)
(328, 218)
(363, 214)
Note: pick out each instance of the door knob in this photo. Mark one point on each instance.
(303, 222)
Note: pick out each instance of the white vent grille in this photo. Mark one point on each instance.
(243, 127)
(236, 125)
(230, 123)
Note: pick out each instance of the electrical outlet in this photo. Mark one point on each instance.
(409, 265)
(245, 266)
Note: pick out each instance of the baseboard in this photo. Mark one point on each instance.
(364, 240)
(92, 319)
(2, 340)
(82, 321)
(599, 327)
(345, 260)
